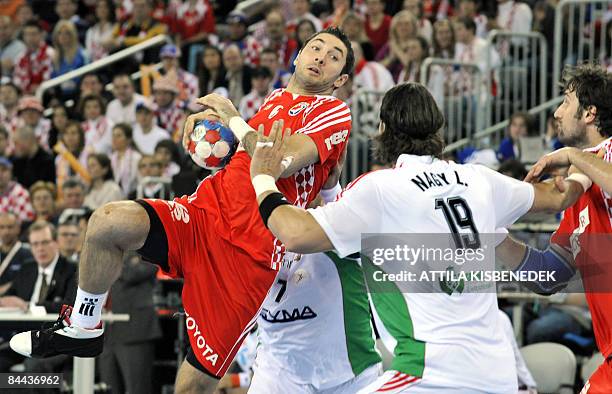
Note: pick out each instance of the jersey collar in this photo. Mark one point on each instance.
(405, 160)
(598, 147)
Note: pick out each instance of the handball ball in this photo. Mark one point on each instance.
(211, 144)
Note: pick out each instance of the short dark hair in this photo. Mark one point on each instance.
(530, 122)
(41, 225)
(125, 128)
(412, 122)
(92, 97)
(336, 32)
(73, 182)
(104, 162)
(269, 50)
(593, 87)
(32, 23)
(468, 23)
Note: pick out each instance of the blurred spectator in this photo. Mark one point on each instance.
(167, 154)
(189, 89)
(544, 22)
(392, 55)
(522, 124)
(73, 193)
(276, 38)
(472, 49)
(92, 84)
(25, 15)
(170, 114)
(526, 382)
(370, 75)
(443, 39)
(71, 159)
(301, 12)
(31, 162)
(377, 24)
(149, 166)
(43, 195)
(416, 50)
(30, 114)
(69, 55)
(34, 66)
(303, 31)
(9, 100)
(9, 7)
(515, 17)
(68, 236)
(13, 196)
(10, 46)
(269, 59)
(140, 27)
(66, 11)
(237, 74)
(469, 9)
(125, 158)
(339, 8)
(103, 188)
(126, 363)
(59, 121)
(353, 26)
(425, 29)
(49, 281)
(238, 34)
(98, 39)
(606, 53)
(513, 168)
(97, 128)
(4, 141)
(13, 253)
(192, 23)
(260, 81)
(123, 108)
(211, 73)
(146, 132)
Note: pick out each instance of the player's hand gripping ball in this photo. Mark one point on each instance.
(211, 144)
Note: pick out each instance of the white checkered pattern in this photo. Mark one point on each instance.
(17, 201)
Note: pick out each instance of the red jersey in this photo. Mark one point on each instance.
(586, 232)
(326, 120)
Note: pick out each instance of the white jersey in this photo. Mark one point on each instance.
(444, 338)
(315, 324)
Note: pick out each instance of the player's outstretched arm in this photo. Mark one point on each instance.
(593, 166)
(558, 195)
(293, 226)
(299, 147)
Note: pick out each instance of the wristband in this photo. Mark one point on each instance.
(584, 180)
(269, 204)
(329, 195)
(263, 183)
(239, 127)
(245, 379)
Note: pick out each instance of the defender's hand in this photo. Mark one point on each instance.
(268, 155)
(555, 163)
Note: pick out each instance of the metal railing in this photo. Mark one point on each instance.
(497, 131)
(576, 37)
(459, 88)
(98, 64)
(521, 77)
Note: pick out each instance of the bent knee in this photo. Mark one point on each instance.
(124, 224)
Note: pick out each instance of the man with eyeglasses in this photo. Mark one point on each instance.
(49, 281)
(68, 240)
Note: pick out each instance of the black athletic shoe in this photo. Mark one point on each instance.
(61, 338)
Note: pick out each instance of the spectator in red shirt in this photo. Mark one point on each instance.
(193, 21)
(377, 24)
(276, 37)
(189, 89)
(35, 65)
(237, 29)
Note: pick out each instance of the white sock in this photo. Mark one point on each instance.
(87, 309)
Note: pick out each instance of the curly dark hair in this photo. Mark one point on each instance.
(593, 87)
(412, 124)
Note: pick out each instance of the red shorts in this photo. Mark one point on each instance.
(224, 286)
(601, 380)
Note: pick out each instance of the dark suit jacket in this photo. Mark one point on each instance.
(62, 288)
(132, 293)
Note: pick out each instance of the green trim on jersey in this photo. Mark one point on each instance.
(391, 307)
(358, 331)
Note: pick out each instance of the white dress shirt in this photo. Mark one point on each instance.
(48, 271)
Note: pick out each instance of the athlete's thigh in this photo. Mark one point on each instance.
(190, 380)
(364, 379)
(273, 381)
